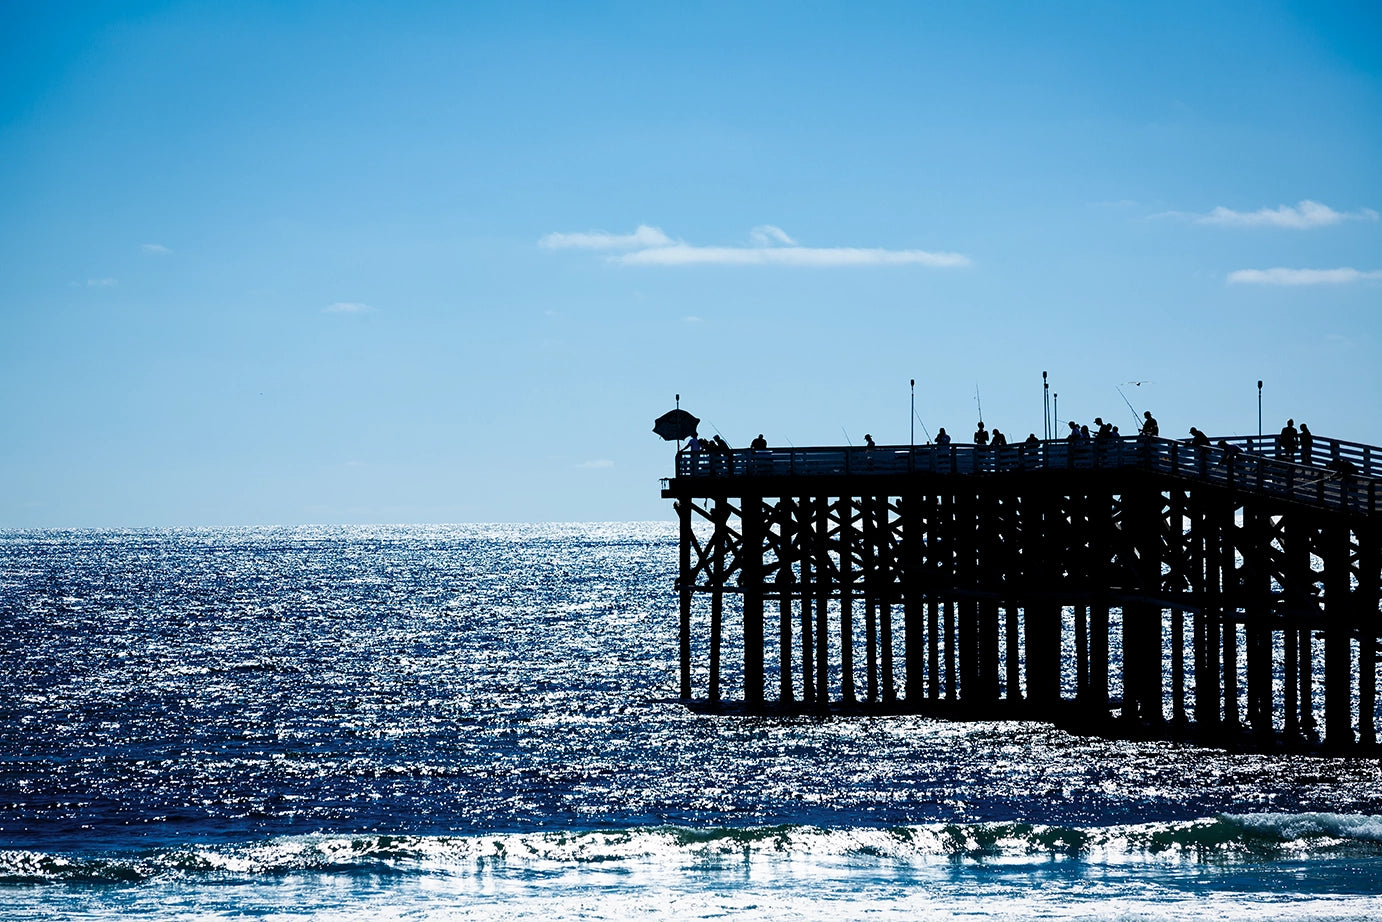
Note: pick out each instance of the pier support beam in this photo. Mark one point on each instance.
(751, 574)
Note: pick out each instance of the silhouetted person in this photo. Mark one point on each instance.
(1149, 427)
(759, 443)
(1084, 433)
(999, 438)
(942, 437)
(1307, 444)
(1197, 437)
(1102, 430)
(694, 444)
(868, 441)
(1286, 442)
(981, 435)
(1074, 435)
(1032, 441)
(1344, 468)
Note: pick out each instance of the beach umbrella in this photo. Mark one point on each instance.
(675, 425)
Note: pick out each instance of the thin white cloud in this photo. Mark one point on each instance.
(770, 234)
(102, 283)
(649, 246)
(644, 236)
(1303, 216)
(155, 249)
(682, 254)
(1300, 276)
(347, 307)
(691, 318)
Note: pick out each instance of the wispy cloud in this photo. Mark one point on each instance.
(102, 283)
(685, 255)
(644, 236)
(347, 307)
(768, 234)
(1300, 276)
(155, 249)
(1303, 216)
(772, 245)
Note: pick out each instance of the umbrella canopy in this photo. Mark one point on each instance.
(675, 425)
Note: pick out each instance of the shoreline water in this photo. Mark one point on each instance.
(338, 722)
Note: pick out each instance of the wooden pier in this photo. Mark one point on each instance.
(1133, 586)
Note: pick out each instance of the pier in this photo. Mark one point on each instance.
(1126, 586)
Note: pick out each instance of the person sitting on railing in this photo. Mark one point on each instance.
(1286, 442)
(1307, 444)
(1149, 427)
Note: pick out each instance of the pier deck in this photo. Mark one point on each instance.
(1131, 586)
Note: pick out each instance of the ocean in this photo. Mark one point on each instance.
(480, 722)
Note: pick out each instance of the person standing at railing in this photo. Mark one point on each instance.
(1286, 442)
(759, 443)
(724, 454)
(1307, 444)
(942, 437)
(1149, 427)
(868, 442)
(981, 435)
(1199, 441)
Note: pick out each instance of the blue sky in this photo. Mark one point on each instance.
(277, 263)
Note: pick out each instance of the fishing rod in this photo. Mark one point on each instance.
(718, 432)
(847, 439)
(923, 425)
(979, 402)
(1131, 408)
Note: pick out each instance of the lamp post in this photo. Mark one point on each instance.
(1259, 415)
(913, 420)
(1046, 403)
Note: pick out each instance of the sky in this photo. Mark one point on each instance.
(317, 263)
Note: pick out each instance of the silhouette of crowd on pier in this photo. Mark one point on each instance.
(1293, 444)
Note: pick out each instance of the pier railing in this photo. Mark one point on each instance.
(1338, 475)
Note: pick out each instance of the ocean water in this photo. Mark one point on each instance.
(480, 722)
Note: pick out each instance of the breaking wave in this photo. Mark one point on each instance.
(1222, 840)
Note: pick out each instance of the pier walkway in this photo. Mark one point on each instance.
(1126, 585)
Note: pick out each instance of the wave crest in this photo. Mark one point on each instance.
(1224, 839)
